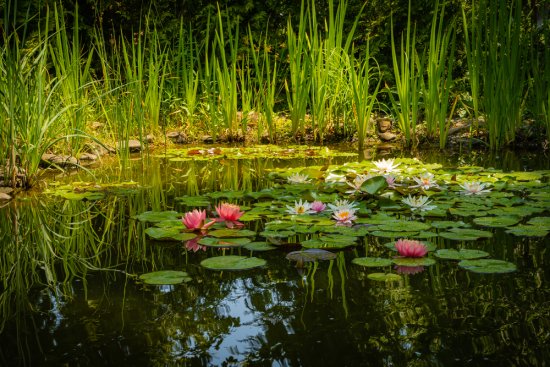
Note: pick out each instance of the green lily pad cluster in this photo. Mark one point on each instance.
(90, 191)
(388, 200)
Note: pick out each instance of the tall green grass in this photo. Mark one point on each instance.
(407, 74)
(437, 88)
(502, 75)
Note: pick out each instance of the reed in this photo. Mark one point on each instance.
(502, 75)
(298, 88)
(539, 76)
(365, 92)
(406, 70)
(474, 53)
(439, 78)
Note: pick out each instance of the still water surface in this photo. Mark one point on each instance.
(80, 304)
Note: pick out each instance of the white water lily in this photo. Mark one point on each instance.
(343, 205)
(344, 216)
(297, 178)
(474, 188)
(386, 166)
(391, 181)
(418, 203)
(357, 182)
(425, 181)
(300, 208)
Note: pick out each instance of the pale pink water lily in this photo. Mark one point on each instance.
(474, 188)
(386, 166)
(230, 214)
(391, 181)
(357, 182)
(318, 206)
(299, 208)
(425, 181)
(343, 204)
(418, 203)
(195, 220)
(297, 178)
(411, 248)
(344, 216)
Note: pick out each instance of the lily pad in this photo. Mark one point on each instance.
(445, 224)
(384, 277)
(310, 255)
(413, 261)
(224, 242)
(164, 277)
(543, 222)
(154, 217)
(193, 201)
(169, 234)
(372, 261)
(232, 233)
(259, 246)
(527, 231)
(488, 266)
(232, 262)
(404, 226)
(388, 234)
(465, 234)
(374, 185)
(496, 221)
(462, 254)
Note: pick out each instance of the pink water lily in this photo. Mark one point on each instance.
(411, 248)
(344, 216)
(229, 213)
(195, 220)
(193, 245)
(318, 206)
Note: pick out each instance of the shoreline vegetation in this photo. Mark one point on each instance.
(477, 74)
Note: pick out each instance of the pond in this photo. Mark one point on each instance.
(77, 260)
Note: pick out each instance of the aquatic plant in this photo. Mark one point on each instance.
(343, 204)
(391, 181)
(297, 178)
(230, 214)
(318, 206)
(300, 208)
(344, 216)
(426, 181)
(474, 188)
(411, 248)
(385, 166)
(357, 182)
(195, 220)
(418, 202)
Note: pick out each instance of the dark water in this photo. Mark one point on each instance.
(69, 295)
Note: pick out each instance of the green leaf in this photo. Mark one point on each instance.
(487, 266)
(371, 261)
(465, 234)
(527, 231)
(374, 185)
(227, 232)
(462, 254)
(155, 217)
(224, 242)
(259, 246)
(496, 221)
(404, 226)
(232, 262)
(165, 277)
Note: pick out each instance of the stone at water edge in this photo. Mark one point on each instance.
(384, 125)
(387, 136)
(4, 197)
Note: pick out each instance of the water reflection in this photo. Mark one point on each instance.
(70, 293)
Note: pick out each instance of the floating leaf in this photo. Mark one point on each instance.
(384, 277)
(224, 242)
(277, 234)
(227, 232)
(232, 262)
(444, 224)
(465, 234)
(165, 277)
(169, 234)
(389, 234)
(372, 261)
(527, 231)
(487, 266)
(374, 184)
(496, 221)
(193, 201)
(462, 254)
(404, 226)
(154, 217)
(259, 246)
(310, 255)
(413, 261)
(543, 222)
